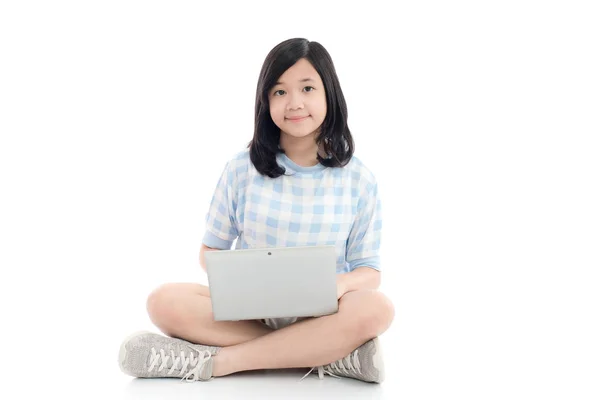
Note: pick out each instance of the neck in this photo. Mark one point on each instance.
(302, 151)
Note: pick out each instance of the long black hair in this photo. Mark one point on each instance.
(334, 136)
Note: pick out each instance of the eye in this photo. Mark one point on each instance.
(281, 90)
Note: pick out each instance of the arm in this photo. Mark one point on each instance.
(360, 279)
(362, 246)
(204, 249)
(221, 229)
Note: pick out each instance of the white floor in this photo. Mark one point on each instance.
(257, 385)
(254, 385)
(84, 365)
(420, 364)
(66, 344)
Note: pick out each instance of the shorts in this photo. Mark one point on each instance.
(278, 323)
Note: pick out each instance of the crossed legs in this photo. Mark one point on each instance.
(184, 310)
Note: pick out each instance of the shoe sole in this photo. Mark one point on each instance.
(123, 350)
(378, 360)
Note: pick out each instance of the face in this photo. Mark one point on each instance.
(298, 93)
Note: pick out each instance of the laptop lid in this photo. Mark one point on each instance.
(272, 282)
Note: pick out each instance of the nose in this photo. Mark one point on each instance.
(295, 101)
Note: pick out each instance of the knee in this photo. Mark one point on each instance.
(371, 313)
(378, 314)
(161, 305)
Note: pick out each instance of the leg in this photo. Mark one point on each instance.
(184, 310)
(362, 315)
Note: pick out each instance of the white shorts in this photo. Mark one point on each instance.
(278, 323)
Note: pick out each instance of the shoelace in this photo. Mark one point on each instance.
(195, 364)
(352, 364)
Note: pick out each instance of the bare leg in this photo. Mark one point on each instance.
(362, 315)
(184, 310)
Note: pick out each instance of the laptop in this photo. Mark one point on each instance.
(272, 282)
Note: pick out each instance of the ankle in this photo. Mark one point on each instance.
(221, 364)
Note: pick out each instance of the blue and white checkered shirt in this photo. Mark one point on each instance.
(308, 206)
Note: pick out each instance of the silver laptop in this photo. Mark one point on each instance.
(272, 282)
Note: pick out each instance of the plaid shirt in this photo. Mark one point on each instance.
(307, 206)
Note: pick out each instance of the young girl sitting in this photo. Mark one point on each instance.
(297, 184)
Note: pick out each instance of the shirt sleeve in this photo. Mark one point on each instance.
(362, 247)
(221, 228)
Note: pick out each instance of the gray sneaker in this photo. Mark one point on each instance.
(150, 355)
(365, 363)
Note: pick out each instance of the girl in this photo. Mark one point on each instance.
(297, 184)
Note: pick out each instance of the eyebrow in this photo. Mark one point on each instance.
(301, 80)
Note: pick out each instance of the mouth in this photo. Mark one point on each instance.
(297, 119)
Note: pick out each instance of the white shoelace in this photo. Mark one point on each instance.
(352, 364)
(195, 364)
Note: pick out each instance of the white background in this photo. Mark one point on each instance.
(479, 119)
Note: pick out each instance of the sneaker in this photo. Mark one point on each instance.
(149, 355)
(364, 363)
